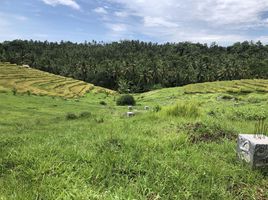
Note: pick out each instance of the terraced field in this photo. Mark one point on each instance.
(237, 86)
(27, 80)
(245, 87)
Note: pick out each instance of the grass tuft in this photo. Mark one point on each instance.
(85, 114)
(71, 116)
(184, 109)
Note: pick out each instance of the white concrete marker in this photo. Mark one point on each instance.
(253, 149)
(130, 114)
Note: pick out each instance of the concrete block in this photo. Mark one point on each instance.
(253, 149)
(130, 114)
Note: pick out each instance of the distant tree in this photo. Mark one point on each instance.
(123, 86)
(136, 66)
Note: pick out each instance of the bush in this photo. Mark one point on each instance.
(126, 100)
(85, 114)
(157, 108)
(14, 91)
(103, 103)
(99, 120)
(71, 116)
(184, 110)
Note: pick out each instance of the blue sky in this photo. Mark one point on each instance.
(206, 21)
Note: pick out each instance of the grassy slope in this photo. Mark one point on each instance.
(28, 80)
(149, 156)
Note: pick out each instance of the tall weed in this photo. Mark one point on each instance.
(184, 109)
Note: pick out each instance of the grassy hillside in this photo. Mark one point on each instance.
(182, 148)
(27, 80)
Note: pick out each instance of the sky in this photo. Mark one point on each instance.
(204, 21)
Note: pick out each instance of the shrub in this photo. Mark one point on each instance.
(103, 103)
(157, 108)
(184, 110)
(126, 100)
(71, 116)
(14, 91)
(85, 114)
(28, 92)
(99, 120)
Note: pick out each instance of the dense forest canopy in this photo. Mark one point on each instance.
(136, 66)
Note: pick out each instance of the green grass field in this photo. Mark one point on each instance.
(186, 150)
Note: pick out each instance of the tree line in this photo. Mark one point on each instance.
(137, 66)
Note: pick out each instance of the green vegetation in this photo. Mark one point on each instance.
(135, 66)
(71, 116)
(103, 103)
(125, 100)
(188, 109)
(182, 148)
(85, 114)
(261, 128)
(157, 108)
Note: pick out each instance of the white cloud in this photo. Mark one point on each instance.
(118, 28)
(158, 22)
(69, 3)
(100, 10)
(195, 20)
(232, 12)
(217, 11)
(118, 31)
(121, 14)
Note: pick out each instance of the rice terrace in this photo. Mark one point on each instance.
(133, 100)
(26, 80)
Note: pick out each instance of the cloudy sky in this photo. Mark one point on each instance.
(205, 21)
